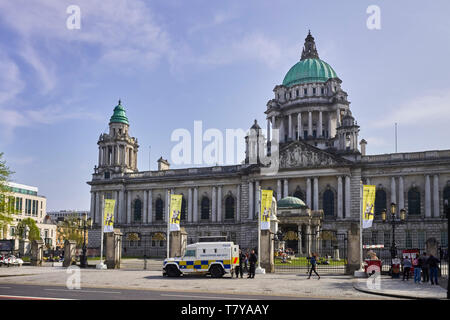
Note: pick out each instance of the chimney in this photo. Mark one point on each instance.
(163, 164)
(363, 144)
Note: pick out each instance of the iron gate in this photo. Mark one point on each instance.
(330, 247)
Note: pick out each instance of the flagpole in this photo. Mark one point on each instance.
(168, 222)
(102, 213)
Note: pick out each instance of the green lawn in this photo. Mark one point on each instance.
(303, 262)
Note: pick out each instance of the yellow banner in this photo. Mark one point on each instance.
(266, 208)
(108, 215)
(175, 212)
(368, 205)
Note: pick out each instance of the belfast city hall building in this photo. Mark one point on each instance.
(322, 164)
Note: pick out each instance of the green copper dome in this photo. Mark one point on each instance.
(291, 202)
(119, 114)
(309, 70)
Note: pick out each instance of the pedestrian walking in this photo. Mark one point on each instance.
(252, 259)
(313, 261)
(433, 264)
(417, 264)
(406, 268)
(240, 267)
(425, 268)
(246, 261)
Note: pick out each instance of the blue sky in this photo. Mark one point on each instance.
(174, 62)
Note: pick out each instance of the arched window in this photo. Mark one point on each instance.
(205, 208)
(446, 196)
(299, 194)
(159, 209)
(183, 209)
(328, 203)
(414, 201)
(229, 207)
(137, 210)
(380, 201)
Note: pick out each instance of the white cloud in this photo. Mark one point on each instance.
(430, 109)
(11, 82)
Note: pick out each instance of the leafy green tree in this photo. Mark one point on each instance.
(33, 234)
(69, 229)
(6, 201)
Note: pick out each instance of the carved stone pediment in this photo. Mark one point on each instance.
(301, 155)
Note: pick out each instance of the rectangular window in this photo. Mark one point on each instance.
(305, 91)
(387, 239)
(444, 238)
(421, 239)
(408, 239)
(322, 90)
(314, 90)
(297, 92)
(375, 237)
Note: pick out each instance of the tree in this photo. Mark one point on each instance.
(33, 234)
(6, 201)
(69, 229)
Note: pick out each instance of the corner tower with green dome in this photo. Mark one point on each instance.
(310, 105)
(117, 150)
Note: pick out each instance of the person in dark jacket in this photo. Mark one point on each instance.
(313, 262)
(252, 259)
(433, 264)
(240, 268)
(425, 268)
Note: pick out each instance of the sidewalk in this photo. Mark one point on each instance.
(292, 285)
(400, 289)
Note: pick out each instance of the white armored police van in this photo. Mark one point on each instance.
(214, 258)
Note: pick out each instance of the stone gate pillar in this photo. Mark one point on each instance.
(24, 247)
(37, 252)
(178, 243)
(267, 251)
(353, 250)
(70, 247)
(432, 247)
(113, 248)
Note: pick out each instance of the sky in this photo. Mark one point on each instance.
(173, 62)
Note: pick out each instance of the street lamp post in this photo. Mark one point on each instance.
(393, 221)
(84, 223)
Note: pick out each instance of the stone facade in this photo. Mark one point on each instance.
(319, 162)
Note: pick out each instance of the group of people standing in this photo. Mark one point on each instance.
(425, 267)
(247, 261)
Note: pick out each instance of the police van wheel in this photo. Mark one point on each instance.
(216, 272)
(172, 271)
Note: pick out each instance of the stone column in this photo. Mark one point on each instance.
(250, 200)
(99, 156)
(238, 202)
(310, 130)
(340, 212)
(122, 207)
(189, 217)
(117, 154)
(219, 204)
(279, 192)
(268, 129)
(92, 211)
(338, 118)
(290, 126)
(128, 207)
(427, 196)
(195, 204)
(144, 218)
(347, 197)
(317, 235)
(150, 206)
(300, 249)
(393, 191)
(281, 130)
(308, 193)
(308, 240)
(286, 188)
(98, 208)
(316, 193)
(116, 207)
(436, 196)
(214, 202)
(299, 125)
(257, 199)
(319, 134)
(401, 194)
(353, 249)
